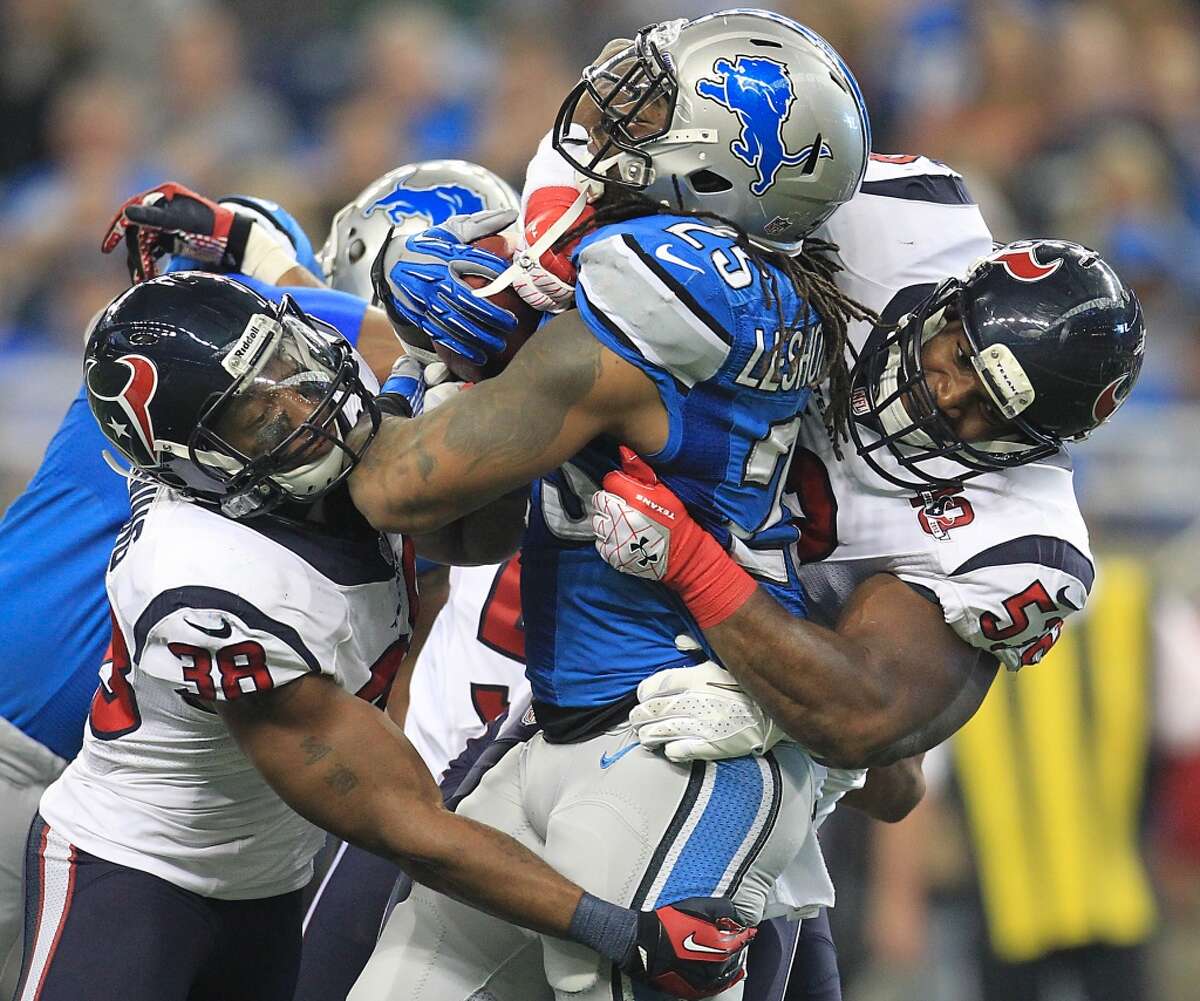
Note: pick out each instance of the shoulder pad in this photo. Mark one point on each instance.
(914, 178)
(882, 166)
(653, 283)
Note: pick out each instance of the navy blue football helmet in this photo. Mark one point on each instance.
(1057, 341)
(217, 392)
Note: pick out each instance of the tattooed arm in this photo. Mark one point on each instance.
(349, 769)
(561, 390)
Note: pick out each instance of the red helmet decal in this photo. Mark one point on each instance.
(128, 385)
(1111, 397)
(1023, 265)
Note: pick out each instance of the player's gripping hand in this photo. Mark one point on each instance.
(694, 948)
(170, 219)
(413, 389)
(701, 713)
(643, 529)
(546, 275)
(420, 283)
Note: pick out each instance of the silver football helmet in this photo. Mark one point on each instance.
(412, 198)
(744, 113)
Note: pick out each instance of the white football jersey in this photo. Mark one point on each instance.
(472, 665)
(1006, 557)
(209, 609)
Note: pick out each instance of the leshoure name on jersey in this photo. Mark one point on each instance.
(680, 300)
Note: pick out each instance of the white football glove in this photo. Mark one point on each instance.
(539, 288)
(439, 387)
(701, 713)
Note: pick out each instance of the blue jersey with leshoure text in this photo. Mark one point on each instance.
(55, 540)
(680, 300)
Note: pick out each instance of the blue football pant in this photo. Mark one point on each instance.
(100, 931)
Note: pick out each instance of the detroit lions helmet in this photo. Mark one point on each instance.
(213, 390)
(413, 198)
(744, 113)
(1056, 340)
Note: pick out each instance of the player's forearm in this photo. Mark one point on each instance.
(346, 767)
(823, 689)
(377, 343)
(404, 483)
(419, 475)
(891, 792)
(490, 871)
(490, 535)
(299, 277)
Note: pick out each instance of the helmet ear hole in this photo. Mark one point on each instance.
(708, 182)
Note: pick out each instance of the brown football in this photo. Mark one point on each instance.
(527, 321)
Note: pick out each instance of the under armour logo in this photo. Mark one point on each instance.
(639, 549)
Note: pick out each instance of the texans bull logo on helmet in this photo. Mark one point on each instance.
(1023, 265)
(1111, 397)
(120, 391)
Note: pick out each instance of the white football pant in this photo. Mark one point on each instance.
(625, 824)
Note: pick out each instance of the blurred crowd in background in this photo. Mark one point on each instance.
(1070, 119)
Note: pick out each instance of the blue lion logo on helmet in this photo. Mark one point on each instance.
(759, 91)
(437, 204)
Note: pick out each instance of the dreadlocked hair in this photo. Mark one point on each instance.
(810, 272)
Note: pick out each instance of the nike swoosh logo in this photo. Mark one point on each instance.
(223, 633)
(663, 253)
(1065, 601)
(692, 945)
(608, 760)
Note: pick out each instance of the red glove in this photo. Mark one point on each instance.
(643, 529)
(547, 280)
(172, 219)
(692, 949)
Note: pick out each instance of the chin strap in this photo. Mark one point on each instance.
(526, 259)
(115, 466)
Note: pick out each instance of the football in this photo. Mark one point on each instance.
(527, 321)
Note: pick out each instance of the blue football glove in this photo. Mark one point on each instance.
(420, 282)
(403, 393)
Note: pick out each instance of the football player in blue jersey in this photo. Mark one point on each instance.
(701, 325)
(59, 532)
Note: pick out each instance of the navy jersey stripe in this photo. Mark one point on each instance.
(679, 289)
(345, 549)
(941, 189)
(214, 598)
(1041, 550)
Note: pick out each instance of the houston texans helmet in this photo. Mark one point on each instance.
(223, 395)
(744, 113)
(1057, 341)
